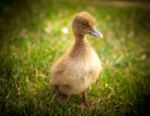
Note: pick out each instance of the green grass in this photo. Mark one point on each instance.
(27, 52)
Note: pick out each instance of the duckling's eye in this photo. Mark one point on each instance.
(84, 24)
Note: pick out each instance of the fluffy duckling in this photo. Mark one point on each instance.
(79, 67)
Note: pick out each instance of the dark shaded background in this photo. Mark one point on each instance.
(27, 53)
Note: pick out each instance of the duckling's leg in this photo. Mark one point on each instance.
(56, 89)
(85, 99)
(60, 97)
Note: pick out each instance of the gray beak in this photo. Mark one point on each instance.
(96, 33)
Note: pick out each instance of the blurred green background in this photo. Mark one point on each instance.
(32, 37)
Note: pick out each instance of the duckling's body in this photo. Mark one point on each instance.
(79, 67)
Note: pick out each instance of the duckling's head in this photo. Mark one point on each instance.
(84, 23)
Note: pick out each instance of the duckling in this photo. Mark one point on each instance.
(80, 66)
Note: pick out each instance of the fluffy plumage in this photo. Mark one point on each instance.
(79, 67)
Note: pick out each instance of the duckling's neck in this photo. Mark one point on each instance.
(79, 39)
(80, 47)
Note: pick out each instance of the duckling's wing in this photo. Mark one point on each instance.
(58, 72)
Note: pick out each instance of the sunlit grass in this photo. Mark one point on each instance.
(34, 40)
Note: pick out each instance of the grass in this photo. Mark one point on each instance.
(32, 39)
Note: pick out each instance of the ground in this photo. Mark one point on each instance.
(32, 38)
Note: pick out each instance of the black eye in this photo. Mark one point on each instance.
(84, 24)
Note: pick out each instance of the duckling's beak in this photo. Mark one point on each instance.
(96, 33)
